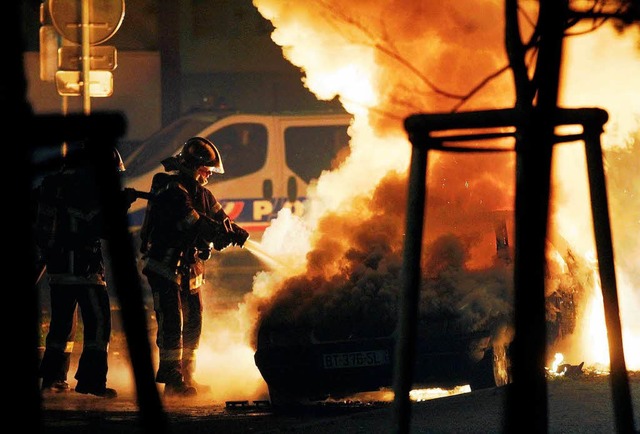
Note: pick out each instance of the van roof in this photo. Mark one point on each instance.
(168, 139)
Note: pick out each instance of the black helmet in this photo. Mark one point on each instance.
(77, 152)
(198, 152)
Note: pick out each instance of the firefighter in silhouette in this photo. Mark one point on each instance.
(68, 231)
(183, 223)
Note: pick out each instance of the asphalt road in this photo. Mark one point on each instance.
(576, 405)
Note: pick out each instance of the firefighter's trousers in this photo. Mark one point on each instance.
(179, 317)
(95, 312)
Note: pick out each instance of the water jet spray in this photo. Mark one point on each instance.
(257, 250)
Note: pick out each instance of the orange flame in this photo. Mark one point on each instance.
(386, 60)
(593, 76)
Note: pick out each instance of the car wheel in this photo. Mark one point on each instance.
(283, 400)
(493, 370)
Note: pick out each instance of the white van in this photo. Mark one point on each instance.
(269, 160)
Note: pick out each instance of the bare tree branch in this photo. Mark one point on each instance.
(516, 53)
(521, 55)
(386, 47)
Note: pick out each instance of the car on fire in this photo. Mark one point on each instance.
(301, 366)
(342, 352)
(336, 352)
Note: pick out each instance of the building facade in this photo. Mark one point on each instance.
(175, 57)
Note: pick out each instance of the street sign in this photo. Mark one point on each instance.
(105, 18)
(69, 83)
(48, 52)
(101, 57)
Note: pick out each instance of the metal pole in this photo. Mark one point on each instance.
(409, 297)
(86, 58)
(621, 393)
(527, 401)
(126, 282)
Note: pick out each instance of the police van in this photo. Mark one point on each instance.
(269, 160)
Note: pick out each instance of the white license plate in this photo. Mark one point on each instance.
(356, 359)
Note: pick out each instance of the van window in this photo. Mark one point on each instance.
(243, 148)
(310, 150)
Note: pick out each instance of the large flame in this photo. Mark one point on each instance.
(387, 60)
(603, 70)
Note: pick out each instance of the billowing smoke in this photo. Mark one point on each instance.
(351, 283)
(392, 59)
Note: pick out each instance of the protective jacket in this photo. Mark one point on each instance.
(183, 222)
(68, 229)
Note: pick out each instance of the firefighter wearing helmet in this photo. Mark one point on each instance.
(198, 152)
(68, 231)
(183, 223)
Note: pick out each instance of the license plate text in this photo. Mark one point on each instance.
(356, 359)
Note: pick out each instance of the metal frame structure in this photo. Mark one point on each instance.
(428, 132)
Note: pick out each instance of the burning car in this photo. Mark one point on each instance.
(331, 331)
(301, 366)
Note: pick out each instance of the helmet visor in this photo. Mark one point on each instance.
(215, 169)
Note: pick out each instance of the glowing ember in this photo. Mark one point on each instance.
(557, 360)
(426, 394)
(415, 395)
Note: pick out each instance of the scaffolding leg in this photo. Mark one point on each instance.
(621, 393)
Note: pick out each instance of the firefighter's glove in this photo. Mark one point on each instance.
(204, 251)
(222, 241)
(204, 254)
(238, 235)
(212, 232)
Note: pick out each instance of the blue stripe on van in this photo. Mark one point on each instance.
(242, 210)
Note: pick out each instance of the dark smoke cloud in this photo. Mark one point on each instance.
(352, 282)
(477, 299)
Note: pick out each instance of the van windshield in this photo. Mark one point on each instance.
(311, 149)
(243, 147)
(164, 143)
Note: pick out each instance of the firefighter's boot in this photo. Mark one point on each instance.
(170, 373)
(189, 369)
(53, 370)
(179, 389)
(92, 374)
